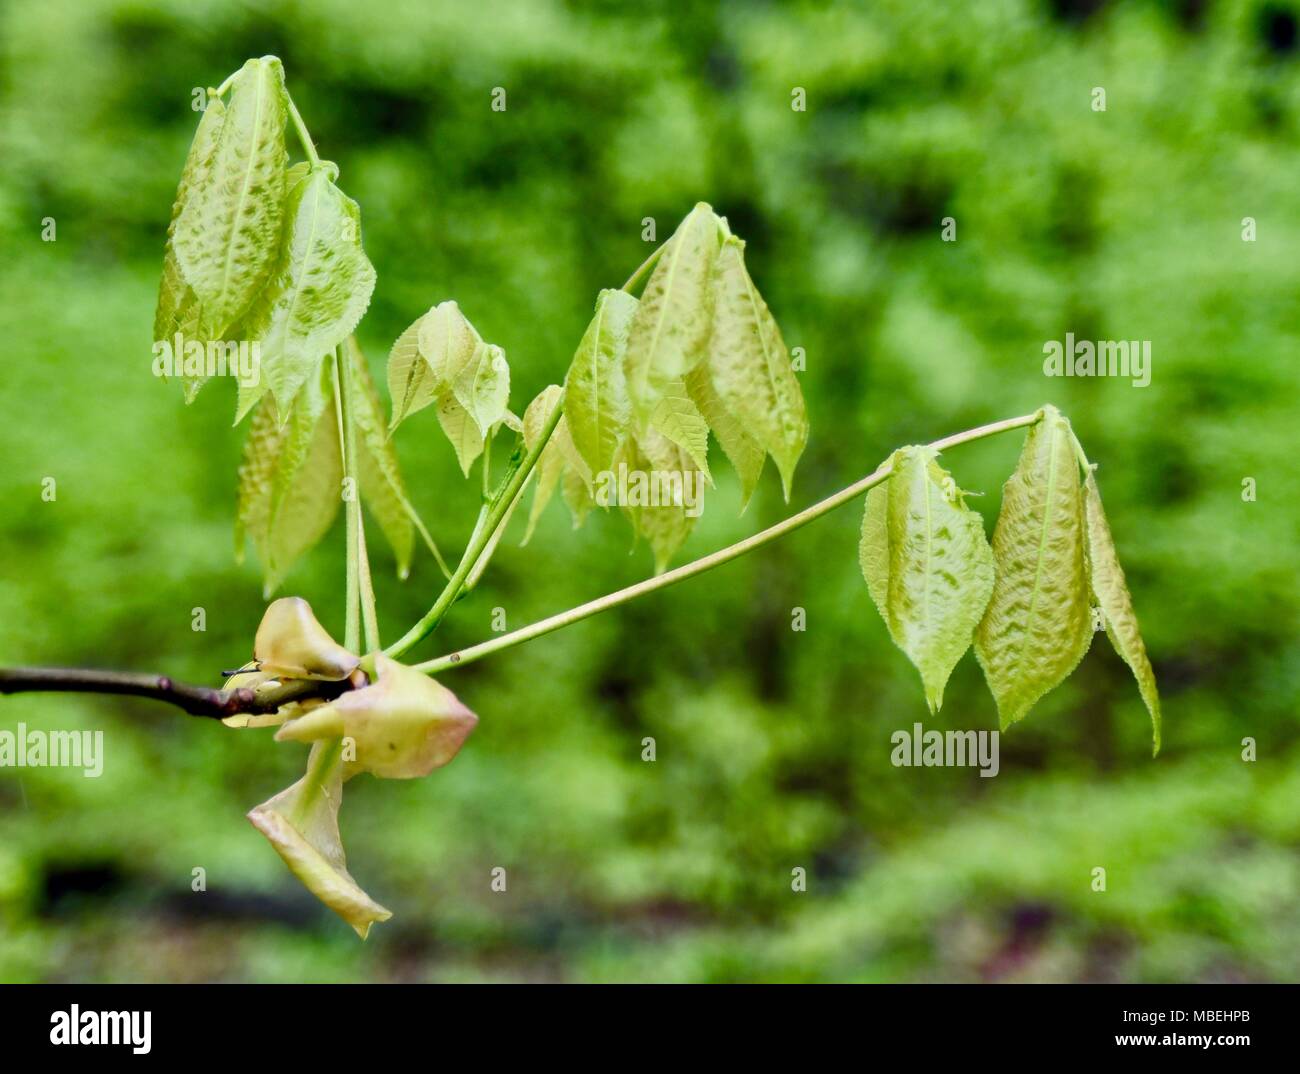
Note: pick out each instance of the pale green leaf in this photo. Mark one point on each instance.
(550, 465)
(320, 288)
(679, 419)
(1112, 596)
(482, 386)
(936, 568)
(596, 404)
(751, 366)
(461, 430)
(179, 310)
(410, 380)
(664, 494)
(228, 232)
(448, 342)
(669, 332)
(1038, 624)
(744, 452)
(378, 471)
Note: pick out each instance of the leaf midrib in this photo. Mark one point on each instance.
(243, 193)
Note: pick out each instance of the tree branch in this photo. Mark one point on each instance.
(203, 701)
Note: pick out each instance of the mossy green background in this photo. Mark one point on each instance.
(773, 745)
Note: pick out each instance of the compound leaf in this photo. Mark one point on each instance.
(1038, 624)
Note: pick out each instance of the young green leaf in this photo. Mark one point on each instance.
(550, 466)
(321, 285)
(925, 551)
(378, 471)
(751, 367)
(302, 824)
(664, 508)
(1039, 623)
(482, 386)
(410, 380)
(669, 332)
(290, 480)
(1112, 596)
(179, 309)
(461, 429)
(448, 342)
(228, 232)
(596, 407)
(744, 452)
(679, 419)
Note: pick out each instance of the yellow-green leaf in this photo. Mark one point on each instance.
(320, 288)
(228, 232)
(679, 419)
(596, 404)
(1111, 592)
(751, 366)
(1038, 624)
(744, 452)
(669, 332)
(932, 561)
(482, 386)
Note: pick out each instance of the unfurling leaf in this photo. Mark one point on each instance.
(378, 472)
(744, 452)
(403, 726)
(750, 364)
(427, 357)
(228, 230)
(669, 332)
(1038, 624)
(461, 429)
(596, 406)
(291, 643)
(290, 479)
(320, 288)
(1112, 596)
(179, 309)
(302, 824)
(482, 386)
(928, 565)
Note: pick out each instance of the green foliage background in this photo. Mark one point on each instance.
(773, 746)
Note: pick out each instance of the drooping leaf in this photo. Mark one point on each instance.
(1112, 596)
(290, 479)
(597, 408)
(302, 824)
(378, 471)
(744, 452)
(290, 642)
(320, 288)
(410, 380)
(550, 465)
(227, 235)
(1038, 624)
(179, 309)
(926, 550)
(448, 341)
(402, 726)
(750, 364)
(679, 419)
(461, 429)
(669, 332)
(664, 494)
(482, 386)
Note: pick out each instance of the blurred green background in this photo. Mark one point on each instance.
(773, 745)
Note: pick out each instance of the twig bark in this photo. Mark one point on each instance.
(203, 701)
